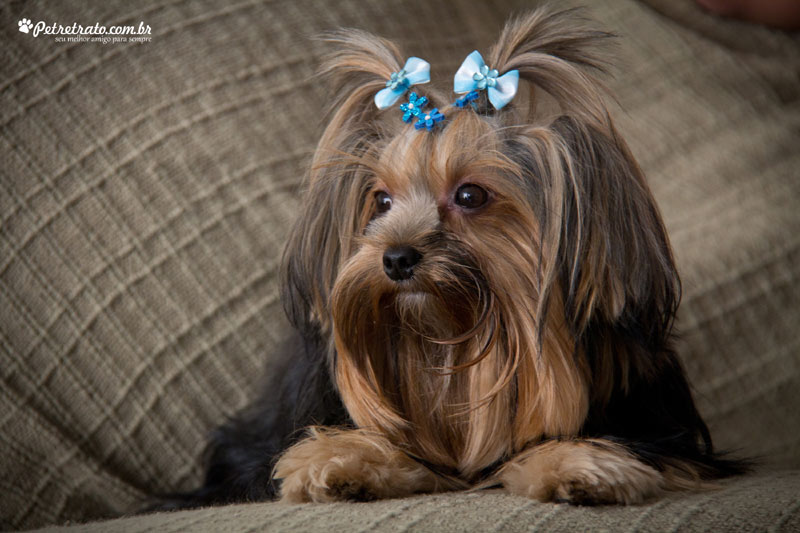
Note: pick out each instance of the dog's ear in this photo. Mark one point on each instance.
(603, 243)
(613, 251)
(339, 179)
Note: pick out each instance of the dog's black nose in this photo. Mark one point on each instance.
(399, 261)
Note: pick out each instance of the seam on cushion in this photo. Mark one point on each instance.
(407, 527)
(648, 512)
(514, 514)
(391, 513)
(310, 514)
(547, 516)
(702, 499)
(177, 524)
(289, 509)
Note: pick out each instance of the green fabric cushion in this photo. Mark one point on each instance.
(755, 503)
(146, 191)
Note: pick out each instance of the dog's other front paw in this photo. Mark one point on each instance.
(581, 472)
(356, 465)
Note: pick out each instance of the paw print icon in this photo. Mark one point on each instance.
(25, 25)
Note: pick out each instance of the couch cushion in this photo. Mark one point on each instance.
(756, 503)
(147, 189)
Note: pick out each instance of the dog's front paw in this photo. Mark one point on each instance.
(581, 472)
(355, 465)
(327, 477)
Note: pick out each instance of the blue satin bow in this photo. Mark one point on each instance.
(415, 72)
(474, 75)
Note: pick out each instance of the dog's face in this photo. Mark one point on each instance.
(447, 231)
(467, 279)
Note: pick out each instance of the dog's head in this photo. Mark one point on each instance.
(481, 283)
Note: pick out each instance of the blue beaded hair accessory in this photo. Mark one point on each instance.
(468, 99)
(474, 76)
(429, 119)
(415, 72)
(415, 108)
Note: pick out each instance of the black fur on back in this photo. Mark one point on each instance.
(655, 416)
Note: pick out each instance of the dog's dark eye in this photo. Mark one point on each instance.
(471, 196)
(383, 202)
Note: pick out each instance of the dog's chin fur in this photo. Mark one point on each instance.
(532, 345)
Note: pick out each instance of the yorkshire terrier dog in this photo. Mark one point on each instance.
(483, 291)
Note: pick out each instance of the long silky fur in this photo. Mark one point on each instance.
(547, 314)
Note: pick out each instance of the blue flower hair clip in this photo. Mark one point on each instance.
(468, 98)
(415, 72)
(429, 120)
(475, 76)
(415, 107)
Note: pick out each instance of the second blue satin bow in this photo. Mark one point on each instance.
(415, 72)
(475, 75)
